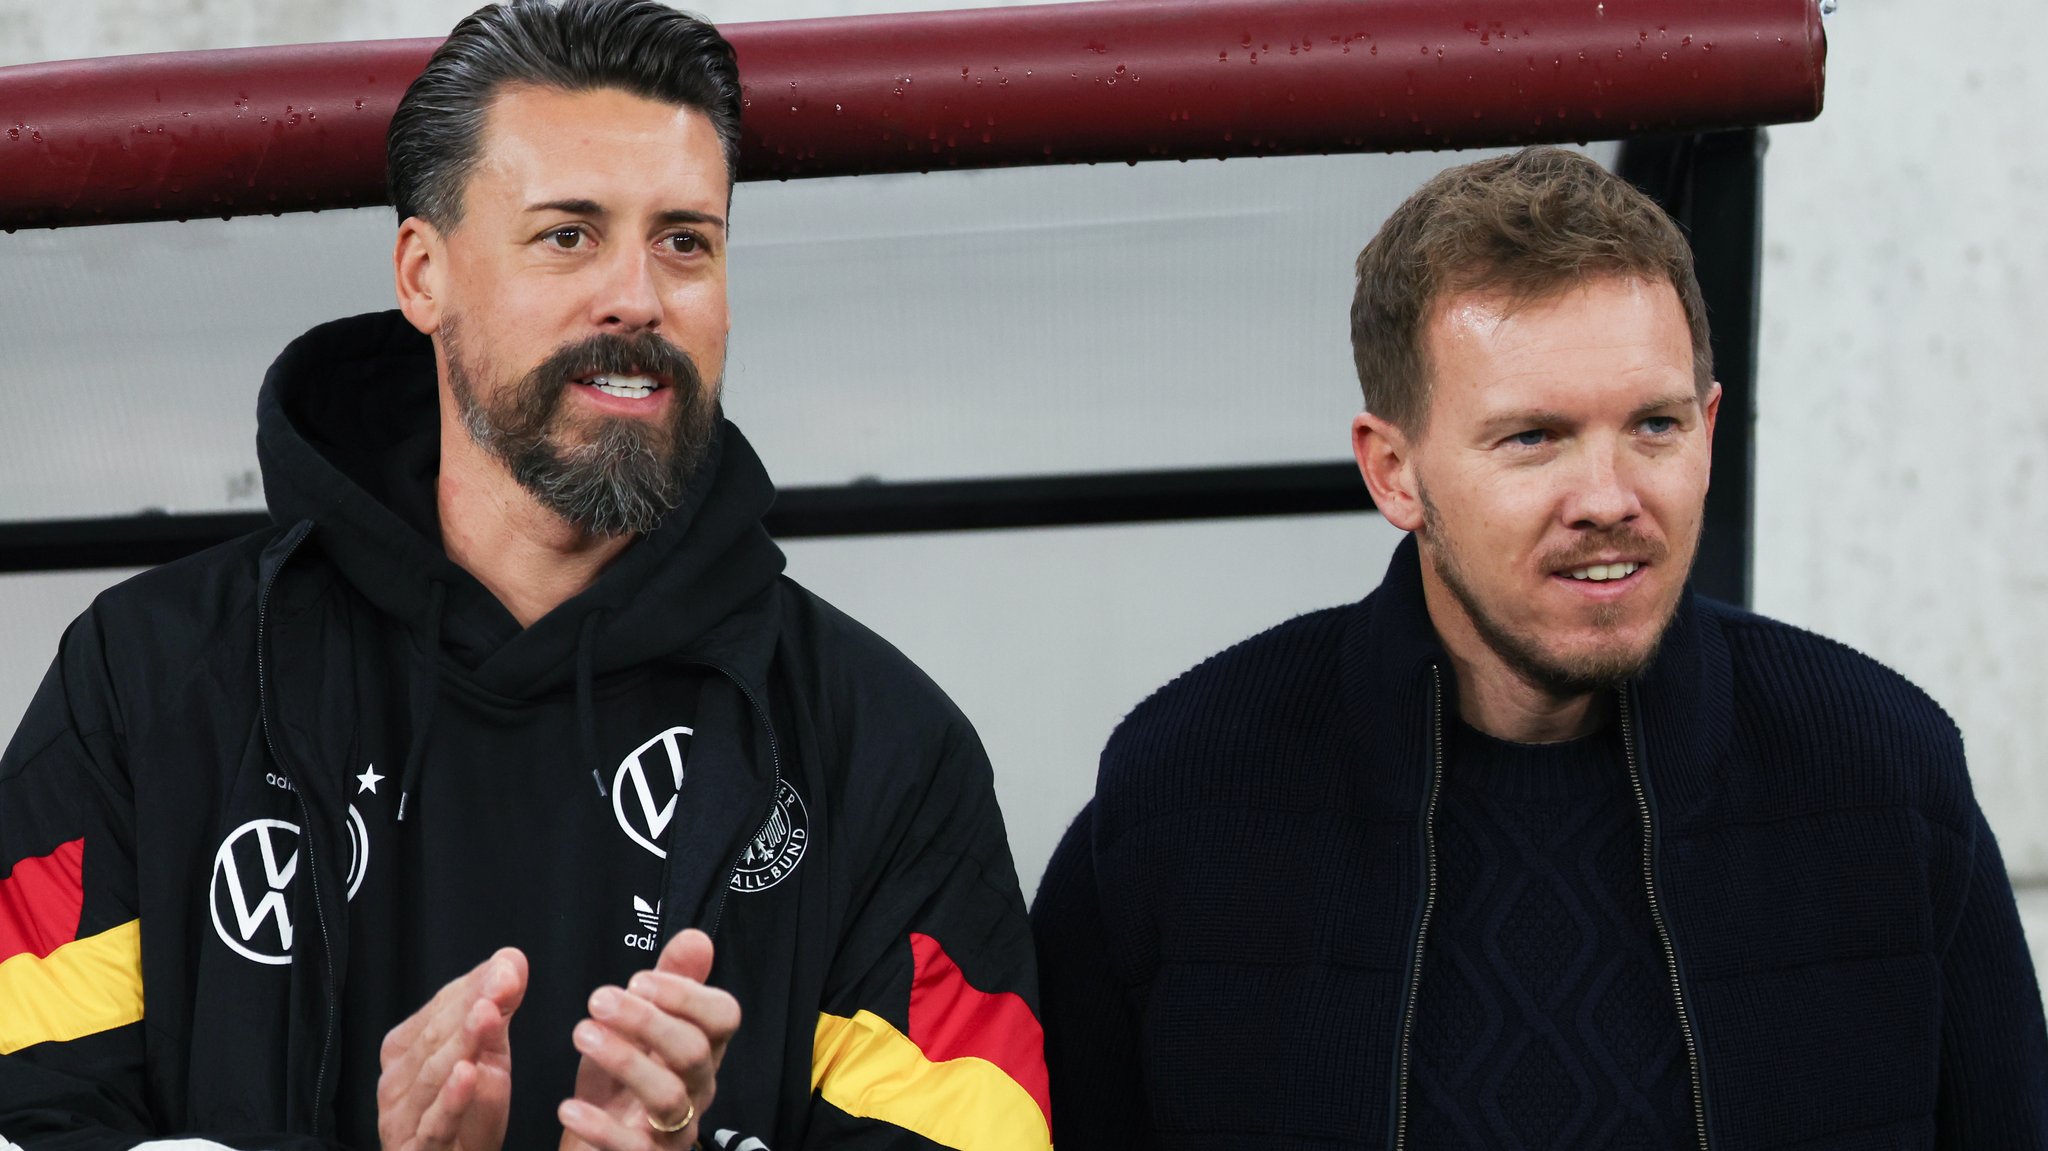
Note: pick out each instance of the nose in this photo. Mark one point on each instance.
(627, 300)
(1603, 494)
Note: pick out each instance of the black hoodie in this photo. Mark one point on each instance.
(273, 796)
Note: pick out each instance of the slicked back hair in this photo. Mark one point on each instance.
(1521, 227)
(638, 46)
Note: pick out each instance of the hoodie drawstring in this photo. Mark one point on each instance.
(426, 689)
(586, 713)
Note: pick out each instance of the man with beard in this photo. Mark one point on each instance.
(506, 794)
(1533, 848)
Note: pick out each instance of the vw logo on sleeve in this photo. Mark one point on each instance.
(644, 790)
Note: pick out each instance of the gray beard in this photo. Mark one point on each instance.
(629, 475)
(617, 484)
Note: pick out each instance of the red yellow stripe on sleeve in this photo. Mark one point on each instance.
(40, 902)
(951, 1019)
(56, 985)
(970, 1075)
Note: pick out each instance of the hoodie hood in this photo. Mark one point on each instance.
(348, 436)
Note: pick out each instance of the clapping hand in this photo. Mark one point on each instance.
(651, 1052)
(446, 1083)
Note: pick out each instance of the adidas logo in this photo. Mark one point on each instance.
(650, 918)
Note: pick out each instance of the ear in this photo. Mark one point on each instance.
(419, 264)
(1711, 409)
(1386, 460)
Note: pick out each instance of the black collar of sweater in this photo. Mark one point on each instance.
(1684, 700)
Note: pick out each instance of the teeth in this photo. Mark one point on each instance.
(1601, 572)
(630, 387)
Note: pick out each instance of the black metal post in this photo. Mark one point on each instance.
(1712, 184)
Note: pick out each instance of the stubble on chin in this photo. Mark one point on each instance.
(1561, 675)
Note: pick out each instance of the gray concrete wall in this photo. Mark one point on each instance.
(1901, 503)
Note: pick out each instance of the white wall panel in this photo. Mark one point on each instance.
(34, 611)
(968, 323)
(1046, 638)
(1054, 319)
(133, 353)
(1903, 442)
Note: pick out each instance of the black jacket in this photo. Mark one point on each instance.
(217, 758)
(1230, 936)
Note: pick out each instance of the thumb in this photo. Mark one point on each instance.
(504, 979)
(687, 955)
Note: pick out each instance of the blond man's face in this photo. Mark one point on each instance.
(1562, 475)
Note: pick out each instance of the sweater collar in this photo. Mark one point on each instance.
(1392, 661)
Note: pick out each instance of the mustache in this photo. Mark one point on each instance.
(1589, 548)
(606, 354)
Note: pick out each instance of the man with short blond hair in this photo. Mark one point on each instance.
(1532, 847)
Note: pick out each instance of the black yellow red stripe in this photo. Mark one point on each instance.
(970, 1075)
(950, 1018)
(40, 901)
(82, 988)
(56, 985)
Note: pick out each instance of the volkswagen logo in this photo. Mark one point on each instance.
(252, 876)
(644, 790)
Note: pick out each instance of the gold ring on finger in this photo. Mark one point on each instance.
(689, 1116)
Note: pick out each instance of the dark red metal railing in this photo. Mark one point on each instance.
(244, 131)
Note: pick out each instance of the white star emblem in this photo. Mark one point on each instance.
(368, 781)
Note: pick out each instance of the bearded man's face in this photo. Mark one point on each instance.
(1562, 475)
(608, 474)
(580, 299)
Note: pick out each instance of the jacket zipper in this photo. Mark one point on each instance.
(1635, 781)
(1436, 778)
(292, 542)
(774, 785)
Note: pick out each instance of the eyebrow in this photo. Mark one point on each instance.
(1524, 418)
(1674, 400)
(593, 208)
(1547, 418)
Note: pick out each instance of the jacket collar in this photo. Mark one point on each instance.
(1686, 707)
(1684, 698)
(1389, 677)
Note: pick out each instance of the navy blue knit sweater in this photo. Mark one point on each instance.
(1228, 935)
(1544, 1022)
